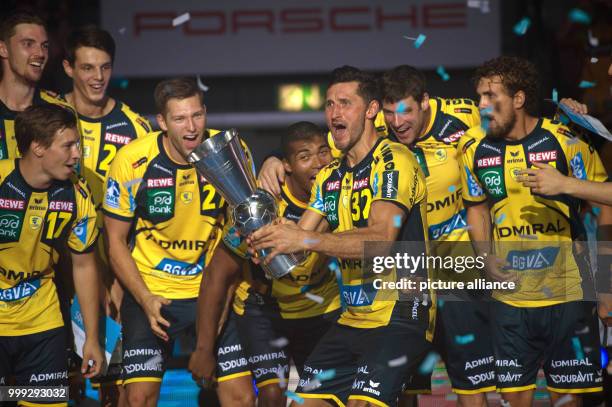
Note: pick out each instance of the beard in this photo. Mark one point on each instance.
(503, 129)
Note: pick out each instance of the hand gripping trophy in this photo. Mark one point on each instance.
(222, 161)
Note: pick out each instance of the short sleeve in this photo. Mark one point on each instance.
(583, 161)
(317, 200)
(471, 189)
(84, 232)
(120, 189)
(397, 176)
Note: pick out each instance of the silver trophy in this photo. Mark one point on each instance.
(222, 161)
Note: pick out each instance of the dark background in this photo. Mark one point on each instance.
(558, 47)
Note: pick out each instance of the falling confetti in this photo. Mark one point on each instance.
(585, 330)
(397, 221)
(402, 360)
(442, 72)
(418, 41)
(401, 107)
(605, 358)
(429, 363)
(586, 84)
(484, 117)
(201, 85)
(157, 359)
(571, 141)
(594, 41)
(555, 95)
(594, 60)
(315, 298)
(579, 16)
(311, 241)
(326, 375)
(282, 382)
(465, 339)
(294, 397)
(577, 348)
(279, 342)
(122, 30)
(564, 400)
(521, 27)
(500, 218)
(452, 189)
(311, 385)
(182, 19)
(440, 303)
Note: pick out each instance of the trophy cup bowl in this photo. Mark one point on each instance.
(221, 160)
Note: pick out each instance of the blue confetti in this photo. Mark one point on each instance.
(564, 119)
(123, 83)
(401, 107)
(452, 189)
(442, 72)
(311, 241)
(605, 359)
(465, 339)
(579, 16)
(397, 221)
(586, 84)
(440, 303)
(429, 363)
(294, 397)
(500, 218)
(577, 348)
(555, 95)
(326, 375)
(420, 40)
(521, 27)
(484, 118)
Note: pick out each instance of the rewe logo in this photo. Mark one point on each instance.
(489, 162)
(543, 156)
(160, 182)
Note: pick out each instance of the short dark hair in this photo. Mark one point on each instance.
(402, 82)
(40, 123)
(516, 74)
(7, 27)
(89, 36)
(368, 88)
(300, 131)
(175, 88)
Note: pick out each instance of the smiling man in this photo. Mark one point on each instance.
(375, 193)
(24, 51)
(106, 125)
(163, 222)
(44, 207)
(550, 320)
